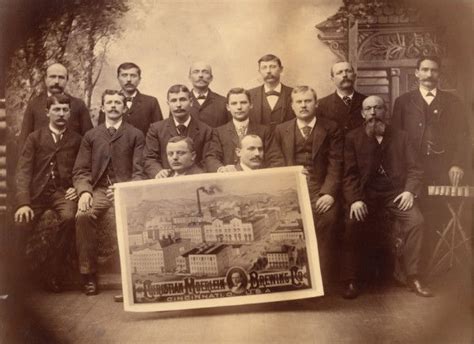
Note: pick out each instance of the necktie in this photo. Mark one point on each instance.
(181, 130)
(346, 100)
(272, 93)
(242, 131)
(306, 131)
(111, 131)
(57, 137)
(201, 97)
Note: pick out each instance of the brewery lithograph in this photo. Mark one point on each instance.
(217, 239)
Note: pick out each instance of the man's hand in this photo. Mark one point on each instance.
(406, 199)
(71, 194)
(110, 193)
(323, 203)
(85, 202)
(25, 212)
(455, 175)
(227, 168)
(358, 211)
(164, 173)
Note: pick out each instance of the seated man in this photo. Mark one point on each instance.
(221, 156)
(181, 157)
(250, 153)
(381, 174)
(110, 153)
(44, 181)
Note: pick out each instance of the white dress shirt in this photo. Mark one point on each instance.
(272, 100)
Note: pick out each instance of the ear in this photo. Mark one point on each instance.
(193, 156)
(227, 107)
(237, 152)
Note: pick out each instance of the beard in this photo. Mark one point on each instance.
(375, 127)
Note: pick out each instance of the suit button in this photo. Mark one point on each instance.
(420, 124)
(51, 163)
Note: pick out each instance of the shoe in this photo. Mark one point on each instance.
(118, 298)
(352, 290)
(53, 285)
(90, 285)
(415, 286)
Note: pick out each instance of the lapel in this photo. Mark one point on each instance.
(319, 134)
(209, 99)
(288, 142)
(119, 132)
(258, 104)
(338, 105)
(193, 129)
(48, 139)
(171, 127)
(194, 102)
(418, 102)
(233, 133)
(136, 103)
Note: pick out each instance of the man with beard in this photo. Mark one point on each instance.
(44, 181)
(381, 176)
(142, 110)
(110, 153)
(35, 114)
(272, 100)
(343, 106)
(180, 123)
(206, 105)
(222, 154)
(181, 156)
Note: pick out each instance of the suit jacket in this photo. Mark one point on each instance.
(35, 116)
(98, 149)
(400, 162)
(33, 168)
(225, 140)
(348, 118)
(282, 108)
(409, 115)
(213, 111)
(327, 154)
(145, 110)
(155, 158)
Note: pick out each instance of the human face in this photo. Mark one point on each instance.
(113, 106)
(129, 79)
(304, 105)
(236, 278)
(59, 115)
(56, 78)
(428, 74)
(179, 104)
(200, 75)
(239, 106)
(180, 157)
(270, 71)
(251, 152)
(343, 76)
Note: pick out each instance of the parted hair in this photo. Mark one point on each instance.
(238, 90)
(129, 65)
(57, 99)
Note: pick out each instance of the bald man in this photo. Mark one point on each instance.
(206, 105)
(35, 115)
(382, 176)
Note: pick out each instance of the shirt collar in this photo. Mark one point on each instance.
(198, 94)
(276, 89)
(342, 95)
(115, 125)
(239, 124)
(245, 167)
(56, 131)
(186, 124)
(424, 91)
(133, 95)
(302, 124)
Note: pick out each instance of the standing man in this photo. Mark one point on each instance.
(181, 156)
(436, 123)
(180, 123)
(222, 154)
(381, 175)
(141, 109)
(35, 115)
(44, 181)
(272, 100)
(207, 106)
(345, 104)
(110, 153)
(316, 144)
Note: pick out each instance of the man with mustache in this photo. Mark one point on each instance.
(180, 123)
(44, 181)
(316, 144)
(381, 176)
(142, 110)
(272, 100)
(35, 114)
(110, 153)
(250, 153)
(222, 154)
(181, 156)
(206, 105)
(436, 123)
(345, 104)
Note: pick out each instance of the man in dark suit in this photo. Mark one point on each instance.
(272, 100)
(381, 175)
(206, 105)
(142, 110)
(44, 181)
(316, 144)
(181, 156)
(345, 104)
(35, 113)
(180, 123)
(222, 156)
(436, 123)
(110, 153)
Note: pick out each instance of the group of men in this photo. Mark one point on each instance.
(352, 158)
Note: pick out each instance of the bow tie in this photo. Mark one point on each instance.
(429, 94)
(272, 93)
(201, 96)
